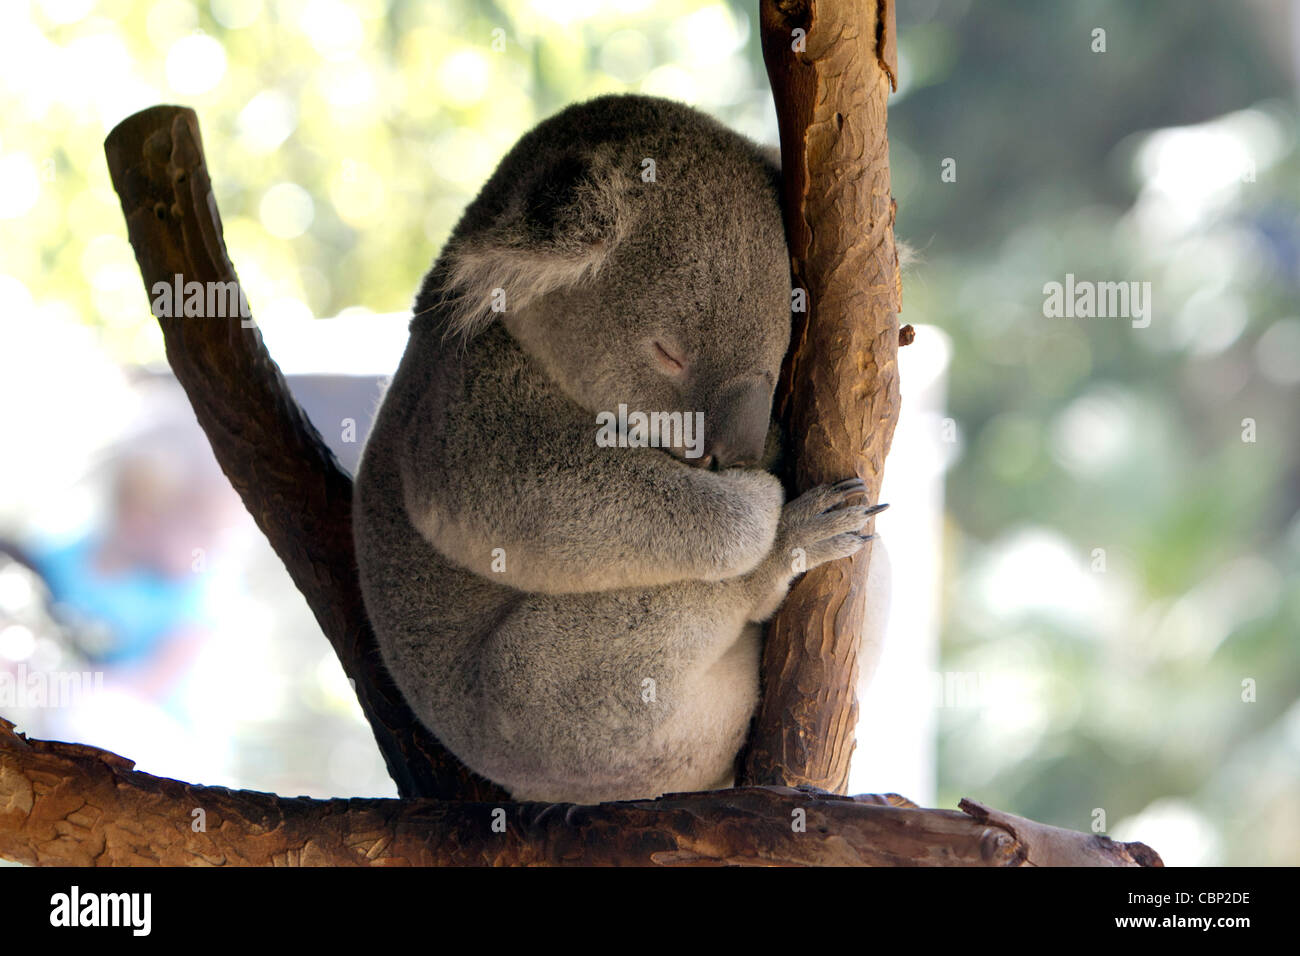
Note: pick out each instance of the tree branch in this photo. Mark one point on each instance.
(838, 395)
(287, 477)
(73, 805)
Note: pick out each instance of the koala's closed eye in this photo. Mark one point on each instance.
(669, 362)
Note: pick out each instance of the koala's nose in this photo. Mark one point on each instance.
(736, 432)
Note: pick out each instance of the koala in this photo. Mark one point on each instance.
(577, 620)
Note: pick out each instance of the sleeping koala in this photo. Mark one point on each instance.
(577, 619)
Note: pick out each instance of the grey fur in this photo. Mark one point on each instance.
(616, 654)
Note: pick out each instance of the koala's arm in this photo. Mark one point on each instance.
(616, 521)
(509, 483)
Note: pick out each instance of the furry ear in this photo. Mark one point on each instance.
(556, 227)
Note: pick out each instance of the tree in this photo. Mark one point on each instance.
(831, 70)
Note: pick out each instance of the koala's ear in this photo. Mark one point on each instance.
(557, 226)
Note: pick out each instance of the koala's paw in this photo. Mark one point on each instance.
(820, 525)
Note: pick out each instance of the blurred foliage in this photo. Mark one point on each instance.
(344, 138)
(1118, 559)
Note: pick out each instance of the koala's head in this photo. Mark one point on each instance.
(634, 247)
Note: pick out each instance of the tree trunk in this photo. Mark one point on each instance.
(831, 65)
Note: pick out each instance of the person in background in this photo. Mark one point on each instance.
(132, 590)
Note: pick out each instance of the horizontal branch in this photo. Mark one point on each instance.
(74, 805)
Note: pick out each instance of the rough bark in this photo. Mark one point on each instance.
(73, 805)
(838, 396)
(286, 475)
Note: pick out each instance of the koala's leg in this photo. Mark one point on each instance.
(618, 695)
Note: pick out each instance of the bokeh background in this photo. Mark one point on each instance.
(1115, 537)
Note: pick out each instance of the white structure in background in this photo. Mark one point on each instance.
(896, 716)
(354, 343)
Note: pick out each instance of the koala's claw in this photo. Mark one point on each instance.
(832, 549)
(823, 524)
(818, 501)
